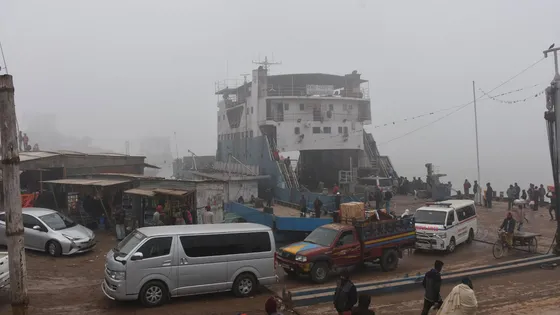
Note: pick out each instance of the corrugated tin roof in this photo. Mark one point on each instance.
(141, 192)
(28, 156)
(86, 182)
(173, 192)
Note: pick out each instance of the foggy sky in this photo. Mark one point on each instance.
(120, 70)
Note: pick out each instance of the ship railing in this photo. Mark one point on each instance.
(230, 84)
(301, 91)
(322, 117)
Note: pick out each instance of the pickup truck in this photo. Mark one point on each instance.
(334, 246)
(4, 270)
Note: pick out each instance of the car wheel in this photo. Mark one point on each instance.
(320, 272)
(153, 293)
(244, 285)
(54, 249)
(451, 246)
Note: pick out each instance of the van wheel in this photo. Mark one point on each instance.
(320, 272)
(153, 293)
(451, 246)
(244, 285)
(54, 249)
(389, 260)
(471, 236)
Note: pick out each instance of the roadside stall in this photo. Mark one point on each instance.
(174, 205)
(89, 201)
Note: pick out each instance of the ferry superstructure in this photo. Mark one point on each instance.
(320, 115)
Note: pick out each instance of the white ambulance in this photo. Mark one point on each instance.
(444, 225)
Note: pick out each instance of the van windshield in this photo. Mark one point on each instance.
(430, 217)
(129, 243)
(321, 236)
(385, 182)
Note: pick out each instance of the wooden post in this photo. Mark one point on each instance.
(12, 196)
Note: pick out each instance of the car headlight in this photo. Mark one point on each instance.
(301, 258)
(442, 235)
(69, 237)
(117, 275)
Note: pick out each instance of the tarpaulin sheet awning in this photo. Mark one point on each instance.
(87, 182)
(140, 192)
(173, 192)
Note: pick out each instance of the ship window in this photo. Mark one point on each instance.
(339, 129)
(286, 106)
(326, 129)
(344, 106)
(296, 130)
(316, 129)
(246, 134)
(251, 134)
(345, 130)
(301, 107)
(331, 107)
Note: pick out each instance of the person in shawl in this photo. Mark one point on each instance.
(461, 300)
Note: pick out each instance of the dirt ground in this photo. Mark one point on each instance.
(71, 285)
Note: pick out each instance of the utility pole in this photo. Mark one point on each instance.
(553, 117)
(478, 195)
(12, 196)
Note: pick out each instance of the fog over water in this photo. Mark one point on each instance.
(92, 75)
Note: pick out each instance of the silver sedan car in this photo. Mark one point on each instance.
(52, 232)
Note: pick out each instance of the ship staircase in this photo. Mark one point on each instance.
(380, 165)
(288, 173)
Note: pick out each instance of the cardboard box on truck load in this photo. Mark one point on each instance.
(351, 210)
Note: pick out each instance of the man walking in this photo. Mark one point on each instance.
(510, 195)
(542, 193)
(317, 204)
(378, 196)
(489, 195)
(552, 207)
(208, 216)
(345, 295)
(303, 206)
(432, 286)
(388, 197)
(467, 188)
(517, 190)
(476, 190)
(119, 223)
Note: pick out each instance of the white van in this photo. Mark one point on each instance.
(444, 225)
(153, 264)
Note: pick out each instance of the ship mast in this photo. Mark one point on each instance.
(266, 64)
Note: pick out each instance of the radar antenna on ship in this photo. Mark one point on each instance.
(266, 64)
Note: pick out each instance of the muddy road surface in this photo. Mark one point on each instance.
(72, 285)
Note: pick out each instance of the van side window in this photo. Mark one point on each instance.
(156, 247)
(461, 214)
(450, 218)
(470, 212)
(3, 217)
(225, 244)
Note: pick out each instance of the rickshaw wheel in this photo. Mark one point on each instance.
(498, 249)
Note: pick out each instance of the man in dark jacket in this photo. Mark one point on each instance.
(517, 191)
(317, 204)
(432, 286)
(489, 196)
(303, 206)
(508, 225)
(345, 295)
(363, 306)
(337, 200)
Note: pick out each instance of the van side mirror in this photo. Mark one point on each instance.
(37, 228)
(137, 256)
